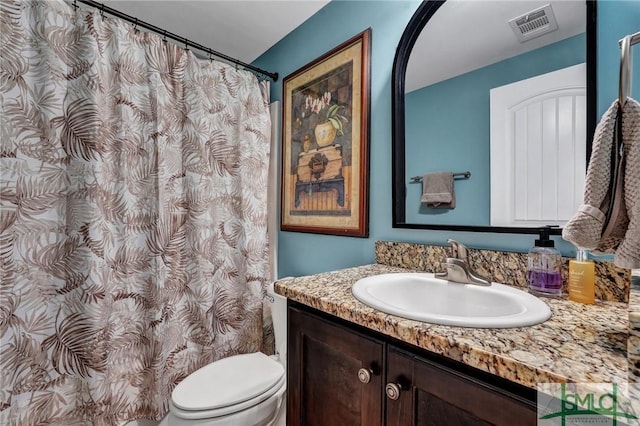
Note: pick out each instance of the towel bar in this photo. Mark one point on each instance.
(457, 176)
(624, 83)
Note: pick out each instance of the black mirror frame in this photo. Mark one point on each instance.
(420, 18)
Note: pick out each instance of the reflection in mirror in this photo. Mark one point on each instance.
(497, 88)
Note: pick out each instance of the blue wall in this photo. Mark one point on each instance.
(338, 21)
(433, 131)
(616, 19)
(301, 254)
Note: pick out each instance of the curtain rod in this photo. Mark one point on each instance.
(164, 33)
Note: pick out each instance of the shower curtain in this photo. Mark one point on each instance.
(133, 216)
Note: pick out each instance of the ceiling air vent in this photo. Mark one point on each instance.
(534, 24)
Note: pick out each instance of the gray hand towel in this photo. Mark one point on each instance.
(437, 190)
(587, 227)
(628, 253)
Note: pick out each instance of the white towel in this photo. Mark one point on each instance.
(437, 190)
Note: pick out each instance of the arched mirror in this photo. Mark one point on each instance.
(503, 95)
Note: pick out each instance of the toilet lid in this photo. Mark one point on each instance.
(228, 381)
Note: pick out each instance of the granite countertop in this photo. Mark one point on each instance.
(633, 345)
(580, 343)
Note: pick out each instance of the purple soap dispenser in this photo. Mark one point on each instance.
(544, 266)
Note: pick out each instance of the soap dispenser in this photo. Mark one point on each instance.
(544, 267)
(582, 278)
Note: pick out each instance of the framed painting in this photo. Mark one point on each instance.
(325, 138)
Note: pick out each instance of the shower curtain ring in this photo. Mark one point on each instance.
(164, 36)
(102, 10)
(135, 26)
(75, 5)
(186, 44)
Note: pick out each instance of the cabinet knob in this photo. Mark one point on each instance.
(364, 375)
(393, 391)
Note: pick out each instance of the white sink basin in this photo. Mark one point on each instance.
(421, 297)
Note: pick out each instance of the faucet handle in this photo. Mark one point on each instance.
(459, 250)
(454, 270)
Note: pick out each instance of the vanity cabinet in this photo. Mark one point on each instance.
(333, 374)
(429, 393)
(342, 374)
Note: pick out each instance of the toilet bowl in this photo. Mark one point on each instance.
(241, 390)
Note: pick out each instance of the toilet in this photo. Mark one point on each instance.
(241, 390)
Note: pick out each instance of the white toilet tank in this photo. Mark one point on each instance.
(279, 315)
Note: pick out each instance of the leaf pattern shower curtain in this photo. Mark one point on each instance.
(133, 216)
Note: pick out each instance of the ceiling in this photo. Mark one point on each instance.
(475, 33)
(241, 29)
(466, 35)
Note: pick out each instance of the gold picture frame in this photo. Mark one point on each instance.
(325, 142)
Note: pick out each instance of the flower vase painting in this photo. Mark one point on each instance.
(334, 122)
(325, 143)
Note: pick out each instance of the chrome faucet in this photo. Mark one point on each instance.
(457, 268)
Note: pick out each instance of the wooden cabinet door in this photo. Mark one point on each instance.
(323, 384)
(432, 394)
